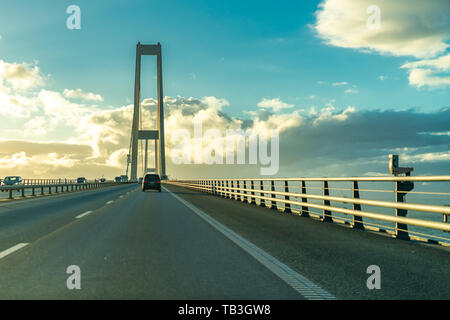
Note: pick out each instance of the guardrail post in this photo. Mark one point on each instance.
(32, 192)
(10, 196)
(305, 210)
(42, 191)
(273, 204)
(261, 187)
(232, 196)
(287, 206)
(227, 190)
(238, 196)
(401, 188)
(49, 190)
(23, 192)
(252, 199)
(326, 213)
(244, 197)
(357, 220)
(446, 219)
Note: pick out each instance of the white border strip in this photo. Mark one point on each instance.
(12, 249)
(301, 284)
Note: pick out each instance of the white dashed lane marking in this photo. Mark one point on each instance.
(12, 249)
(83, 214)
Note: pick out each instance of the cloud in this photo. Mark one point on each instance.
(407, 28)
(22, 98)
(429, 72)
(351, 90)
(337, 84)
(20, 75)
(37, 126)
(274, 104)
(15, 105)
(330, 141)
(80, 94)
(61, 111)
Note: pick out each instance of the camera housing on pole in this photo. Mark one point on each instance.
(401, 189)
(395, 169)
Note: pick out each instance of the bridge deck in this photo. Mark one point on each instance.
(130, 244)
(334, 256)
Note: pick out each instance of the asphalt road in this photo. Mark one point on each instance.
(131, 244)
(334, 256)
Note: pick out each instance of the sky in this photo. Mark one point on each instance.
(345, 83)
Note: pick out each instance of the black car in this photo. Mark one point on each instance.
(151, 181)
(12, 180)
(81, 180)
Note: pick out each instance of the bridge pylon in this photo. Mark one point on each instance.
(158, 134)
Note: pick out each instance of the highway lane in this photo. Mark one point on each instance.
(139, 246)
(29, 219)
(334, 256)
(135, 245)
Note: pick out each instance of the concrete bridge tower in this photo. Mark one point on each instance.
(158, 134)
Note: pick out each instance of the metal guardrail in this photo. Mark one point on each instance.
(53, 188)
(50, 181)
(265, 190)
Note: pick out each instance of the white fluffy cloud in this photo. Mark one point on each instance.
(274, 104)
(80, 94)
(100, 138)
(20, 75)
(429, 72)
(338, 84)
(15, 80)
(407, 28)
(355, 142)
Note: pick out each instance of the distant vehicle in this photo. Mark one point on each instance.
(102, 180)
(123, 178)
(117, 179)
(140, 179)
(81, 180)
(151, 181)
(12, 180)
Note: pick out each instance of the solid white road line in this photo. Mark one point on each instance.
(299, 283)
(83, 214)
(109, 202)
(12, 249)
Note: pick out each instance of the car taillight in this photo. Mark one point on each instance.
(158, 181)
